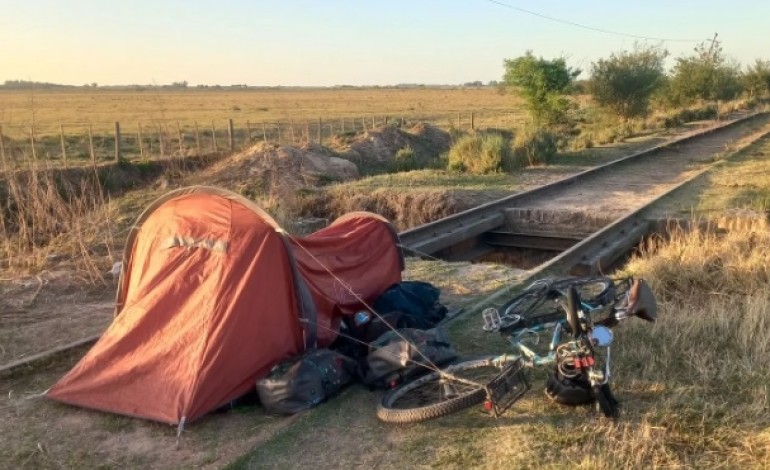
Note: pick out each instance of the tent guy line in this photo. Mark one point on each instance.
(347, 286)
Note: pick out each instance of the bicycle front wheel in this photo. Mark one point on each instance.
(435, 394)
(538, 304)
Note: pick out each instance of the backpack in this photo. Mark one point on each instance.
(399, 356)
(304, 381)
(416, 300)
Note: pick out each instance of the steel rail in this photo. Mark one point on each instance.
(583, 251)
(443, 233)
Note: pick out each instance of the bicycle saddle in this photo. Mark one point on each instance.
(641, 301)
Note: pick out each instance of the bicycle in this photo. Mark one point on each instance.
(579, 349)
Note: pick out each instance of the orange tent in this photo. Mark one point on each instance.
(213, 293)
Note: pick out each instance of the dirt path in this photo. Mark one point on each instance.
(50, 310)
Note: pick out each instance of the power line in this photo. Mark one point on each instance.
(591, 28)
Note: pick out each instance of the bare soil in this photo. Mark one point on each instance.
(50, 310)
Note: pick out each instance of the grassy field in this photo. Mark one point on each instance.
(157, 123)
(76, 108)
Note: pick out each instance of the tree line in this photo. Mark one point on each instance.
(627, 82)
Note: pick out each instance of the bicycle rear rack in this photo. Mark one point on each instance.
(506, 388)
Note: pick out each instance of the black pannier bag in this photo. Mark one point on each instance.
(416, 300)
(399, 356)
(304, 381)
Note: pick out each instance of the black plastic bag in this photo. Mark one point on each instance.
(305, 381)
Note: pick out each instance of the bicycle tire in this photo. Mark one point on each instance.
(533, 304)
(596, 291)
(422, 399)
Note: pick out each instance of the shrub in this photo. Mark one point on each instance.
(682, 116)
(480, 154)
(533, 146)
(583, 141)
(405, 160)
(543, 84)
(705, 75)
(625, 82)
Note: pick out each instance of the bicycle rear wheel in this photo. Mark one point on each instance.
(435, 395)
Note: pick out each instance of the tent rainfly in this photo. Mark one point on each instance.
(213, 293)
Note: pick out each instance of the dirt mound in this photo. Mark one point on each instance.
(404, 209)
(269, 169)
(377, 148)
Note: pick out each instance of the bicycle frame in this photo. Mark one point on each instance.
(531, 357)
(526, 356)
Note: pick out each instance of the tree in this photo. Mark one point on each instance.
(756, 80)
(543, 84)
(625, 82)
(704, 75)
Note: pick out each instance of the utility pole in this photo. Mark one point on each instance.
(711, 47)
(711, 60)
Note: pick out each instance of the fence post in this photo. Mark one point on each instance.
(197, 139)
(117, 142)
(214, 136)
(363, 121)
(230, 136)
(2, 149)
(91, 143)
(320, 134)
(32, 142)
(141, 143)
(264, 132)
(473, 122)
(63, 145)
(160, 142)
(180, 138)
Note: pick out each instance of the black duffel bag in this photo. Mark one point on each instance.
(304, 381)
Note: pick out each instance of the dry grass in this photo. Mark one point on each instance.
(103, 107)
(46, 217)
(706, 360)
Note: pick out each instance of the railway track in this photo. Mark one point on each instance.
(591, 218)
(552, 218)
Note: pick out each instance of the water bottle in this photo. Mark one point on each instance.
(361, 317)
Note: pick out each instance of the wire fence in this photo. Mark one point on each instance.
(75, 144)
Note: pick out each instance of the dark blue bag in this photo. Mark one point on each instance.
(417, 301)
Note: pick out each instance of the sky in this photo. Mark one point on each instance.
(346, 42)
